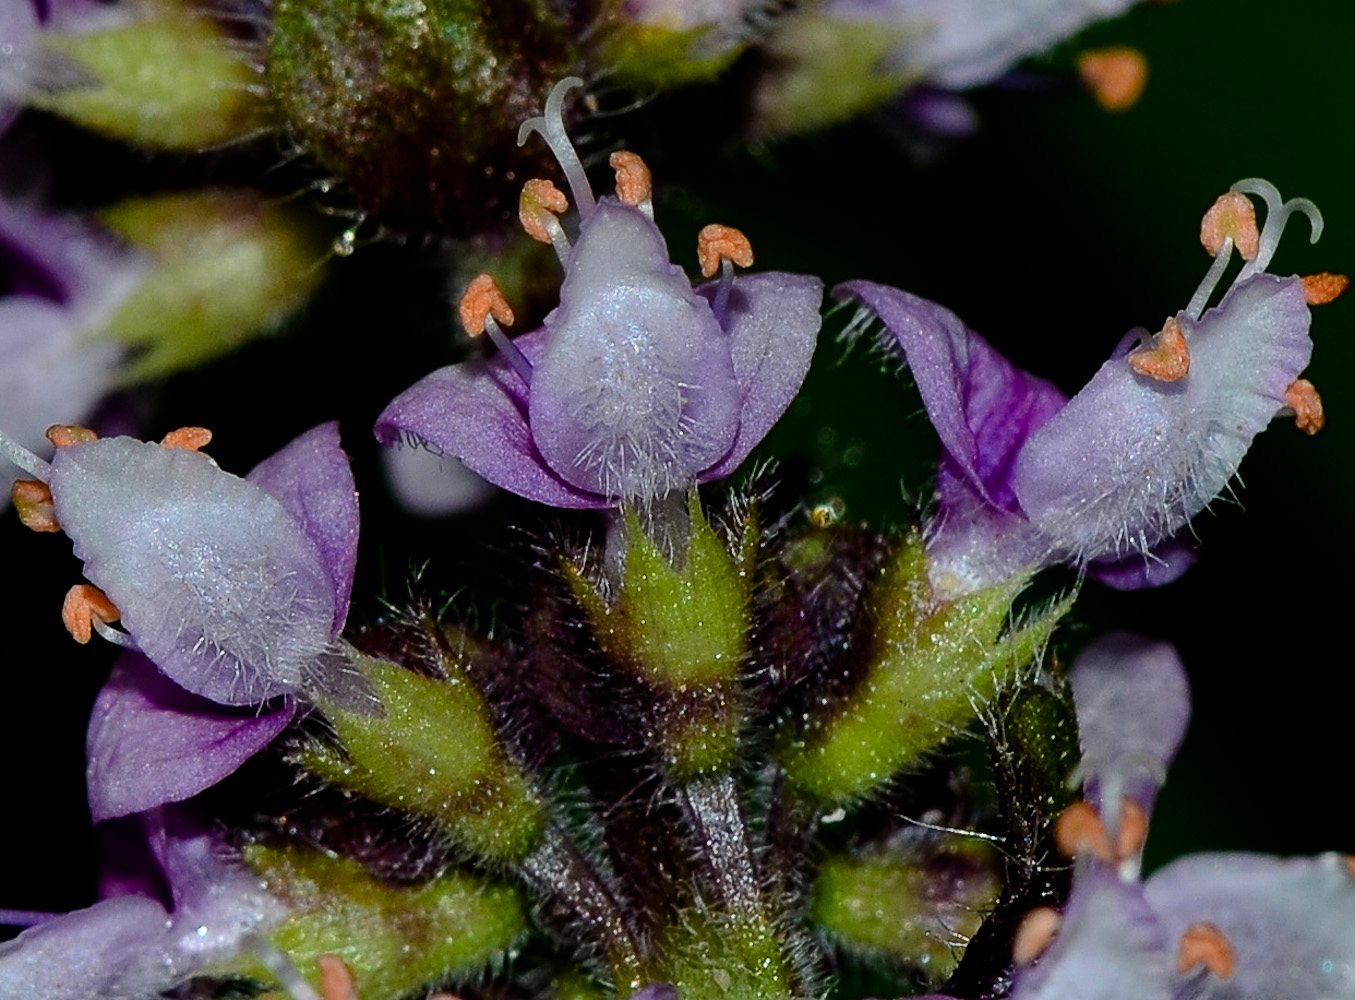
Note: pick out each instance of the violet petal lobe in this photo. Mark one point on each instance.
(1131, 459)
(1133, 703)
(312, 479)
(477, 411)
(983, 407)
(1290, 921)
(772, 320)
(151, 742)
(635, 393)
(216, 582)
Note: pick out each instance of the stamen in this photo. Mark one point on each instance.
(1277, 214)
(717, 243)
(482, 304)
(272, 958)
(1133, 829)
(1204, 944)
(1303, 399)
(1035, 934)
(83, 604)
(336, 978)
(1232, 215)
(633, 183)
(187, 438)
(1079, 829)
(25, 459)
(551, 126)
(537, 207)
(1116, 76)
(1168, 360)
(33, 502)
(1349, 861)
(65, 435)
(1319, 289)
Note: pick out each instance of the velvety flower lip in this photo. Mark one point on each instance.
(132, 947)
(637, 384)
(1107, 480)
(235, 588)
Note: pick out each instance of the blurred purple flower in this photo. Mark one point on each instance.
(637, 384)
(237, 589)
(1106, 480)
(134, 946)
(65, 280)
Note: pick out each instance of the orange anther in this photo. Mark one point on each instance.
(482, 299)
(1080, 829)
(1319, 289)
(1034, 934)
(82, 605)
(65, 435)
(540, 197)
(1233, 215)
(187, 438)
(1133, 829)
(33, 502)
(1349, 860)
(1116, 76)
(336, 978)
(1204, 944)
(1303, 399)
(716, 243)
(1168, 360)
(633, 184)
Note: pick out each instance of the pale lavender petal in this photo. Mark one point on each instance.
(216, 581)
(772, 320)
(432, 485)
(312, 479)
(151, 742)
(1165, 563)
(1291, 921)
(477, 412)
(1131, 459)
(1109, 947)
(18, 37)
(983, 407)
(1133, 704)
(972, 544)
(635, 394)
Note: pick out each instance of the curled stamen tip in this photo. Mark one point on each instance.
(85, 602)
(65, 435)
(554, 102)
(187, 438)
(1204, 944)
(33, 502)
(633, 184)
(1232, 215)
(1116, 76)
(716, 243)
(1035, 934)
(1319, 289)
(1168, 360)
(540, 198)
(337, 981)
(1303, 399)
(483, 299)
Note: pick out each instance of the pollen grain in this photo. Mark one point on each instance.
(483, 299)
(33, 502)
(1116, 76)
(65, 435)
(540, 198)
(633, 183)
(716, 243)
(1303, 399)
(187, 438)
(1319, 289)
(1168, 360)
(1204, 944)
(1231, 215)
(1035, 934)
(84, 602)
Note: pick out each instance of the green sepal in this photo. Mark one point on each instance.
(433, 752)
(682, 630)
(1041, 751)
(399, 939)
(911, 905)
(652, 55)
(709, 955)
(929, 665)
(168, 80)
(225, 267)
(828, 69)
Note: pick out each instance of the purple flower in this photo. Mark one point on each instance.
(637, 384)
(1108, 479)
(1209, 925)
(65, 282)
(236, 589)
(133, 946)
